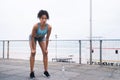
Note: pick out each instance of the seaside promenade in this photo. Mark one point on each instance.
(14, 69)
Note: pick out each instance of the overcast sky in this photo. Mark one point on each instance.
(70, 19)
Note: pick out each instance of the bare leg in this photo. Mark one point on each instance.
(32, 60)
(45, 54)
(32, 56)
(45, 61)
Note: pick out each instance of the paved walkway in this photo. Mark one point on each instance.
(19, 70)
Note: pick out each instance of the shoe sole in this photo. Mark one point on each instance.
(45, 76)
(32, 78)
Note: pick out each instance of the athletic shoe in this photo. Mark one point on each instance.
(46, 74)
(32, 75)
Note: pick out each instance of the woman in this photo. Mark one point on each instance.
(41, 33)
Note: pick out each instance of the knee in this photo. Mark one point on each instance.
(33, 52)
(45, 53)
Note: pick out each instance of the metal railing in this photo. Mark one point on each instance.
(102, 50)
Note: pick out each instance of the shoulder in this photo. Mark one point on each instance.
(49, 27)
(35, 26)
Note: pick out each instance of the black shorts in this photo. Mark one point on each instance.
(39, 39)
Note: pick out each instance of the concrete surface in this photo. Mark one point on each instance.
(14, 69)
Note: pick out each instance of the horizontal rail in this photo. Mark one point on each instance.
(72, 40)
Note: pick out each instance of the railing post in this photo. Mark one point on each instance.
(79, 51)
(100, 52)
(90, 52)
(3, 49)
(8, 50)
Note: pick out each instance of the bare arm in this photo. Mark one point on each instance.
(33, 35)
(48, 35)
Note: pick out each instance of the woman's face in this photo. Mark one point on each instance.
(43, 19)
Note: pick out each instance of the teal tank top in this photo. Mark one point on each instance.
(41, 33)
